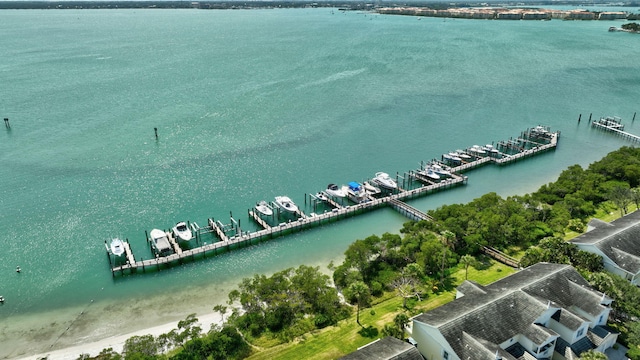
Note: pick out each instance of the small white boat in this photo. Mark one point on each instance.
(454, 157)
(370, 189)
(182, 232)
(440, 170)
(429, 173)
(463, 155)
(286, 204)
(383, 179)
(116, 247)
(335, 191)
(477, 150)
(490, 149)
(540, 130)
(322, 196)
(160, 241)
(263, 208)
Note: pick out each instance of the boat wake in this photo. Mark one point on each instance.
(334, 77)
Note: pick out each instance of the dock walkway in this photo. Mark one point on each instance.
(395, 200)
(615, 130)
(501, 257)
(409, 211)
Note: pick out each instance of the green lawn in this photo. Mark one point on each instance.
(337, 341)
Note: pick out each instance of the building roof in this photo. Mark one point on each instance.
(387, 348)
(469, 287)
(617, 241)
(511, 306)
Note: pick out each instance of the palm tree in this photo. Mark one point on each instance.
(467, 260)
(360, 291)
(447, 239)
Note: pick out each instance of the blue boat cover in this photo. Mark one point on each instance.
(354, 186)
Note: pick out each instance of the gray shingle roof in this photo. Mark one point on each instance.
(469, 287)
(510, 306)
(620, 242)
(387, 348)
(568, 319)
(476, 348)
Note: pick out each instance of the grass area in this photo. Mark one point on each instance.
(336, 341)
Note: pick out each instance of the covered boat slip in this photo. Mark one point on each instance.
(224, 237)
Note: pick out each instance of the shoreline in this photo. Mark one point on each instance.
(117, 342)
(104, 324)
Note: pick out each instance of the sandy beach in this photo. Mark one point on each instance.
(117, 342)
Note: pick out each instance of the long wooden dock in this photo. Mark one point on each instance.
(224, 242)
(408, 210)
(599, 124)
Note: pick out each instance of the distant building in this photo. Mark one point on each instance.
(618, 243)
(546, 311)
(612, 15)
(388, 348)
(580, 15)
(536, 15)
(509, 15)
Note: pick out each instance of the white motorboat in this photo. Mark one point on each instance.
(356, 192)
(370, 189)
(182, 232)
(451, 159)
(429, 173)
(477, 150)
(335, 191)
(454, 157)
(286, 204)
(490, 149)
(263, 208)
(540, 130)
(440, 170)
(463, 155)
(322, 196)
(383, 179)
(160, 241)
(116, 247)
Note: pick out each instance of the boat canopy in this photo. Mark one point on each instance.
(354, 186)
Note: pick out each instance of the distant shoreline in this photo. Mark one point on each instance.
(235, 4)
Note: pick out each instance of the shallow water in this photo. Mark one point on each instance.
(250, 105)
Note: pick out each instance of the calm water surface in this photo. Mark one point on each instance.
(250, 105)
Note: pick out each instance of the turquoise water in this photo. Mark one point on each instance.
(250, 105)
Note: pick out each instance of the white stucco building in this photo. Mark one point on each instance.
(546, 311)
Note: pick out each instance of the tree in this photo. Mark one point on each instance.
(593, 355)
(360, 291)
(407, 284)
(447, 239)
(622, 196)
(221, 309)
(189, 328)
(401, 320)
(140, 347)
(467, 260)
(631, 27)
